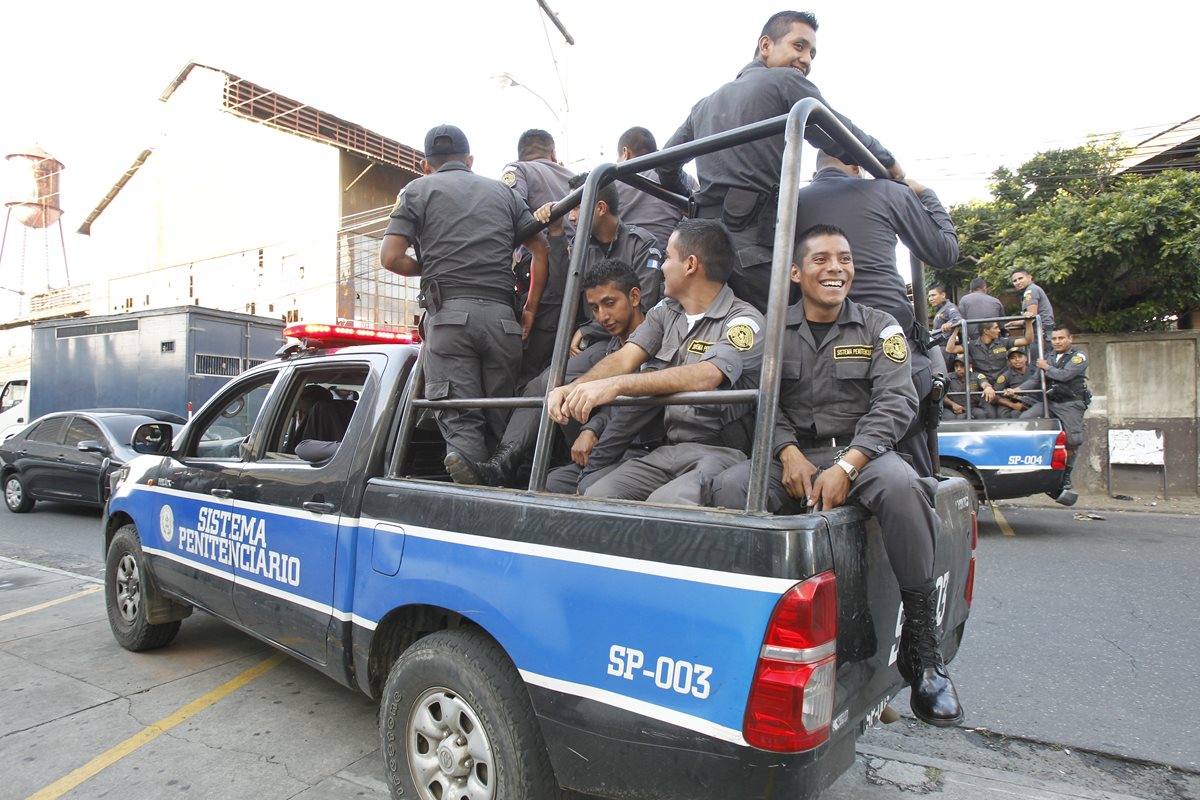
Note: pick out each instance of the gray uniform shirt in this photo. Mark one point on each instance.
(873, 213)
(856, 381)
(538, 182)
(1034, 294)
(657, 217)
(464, 228)
(730, 335)
(990, 359)
(977, 305)
(759, 92)
(632, 245)
(1069, 368)
(946, 312)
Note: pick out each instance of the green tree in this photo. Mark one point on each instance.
(1114, 253)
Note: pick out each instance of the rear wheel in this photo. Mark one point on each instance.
(15, 496)
(456, 723)
(967, 475)
(126, 598)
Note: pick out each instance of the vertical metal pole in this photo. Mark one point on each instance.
(920, 303)
(566, 321)
(781, 264)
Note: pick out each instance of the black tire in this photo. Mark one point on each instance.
(15, 496)
(967, 475)
(456, 713)
(125, 595)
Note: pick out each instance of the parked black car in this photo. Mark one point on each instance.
(66, 456)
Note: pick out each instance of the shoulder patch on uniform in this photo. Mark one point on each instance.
(844, 351)
(653, 262)
(890, 331)
(699, 347)
(509, 178)
(744, 321)
(895, 347)
(740, 336)
(396, 205)
(1078, 358)
(1028, 294)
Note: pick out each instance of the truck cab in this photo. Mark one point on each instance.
(14, 406)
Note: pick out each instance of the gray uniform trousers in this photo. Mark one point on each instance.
(673, 473)
(1068, 412)
(472, 349)
(887, 486)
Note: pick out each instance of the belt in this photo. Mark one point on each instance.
(477, 293)
(813, 442)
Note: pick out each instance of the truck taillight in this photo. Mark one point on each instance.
(791, 699)
(1060, 452)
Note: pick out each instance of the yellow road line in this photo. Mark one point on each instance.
(40, 606)
(149, 734)
(1005, 528)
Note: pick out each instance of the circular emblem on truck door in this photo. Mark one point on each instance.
(166, 523)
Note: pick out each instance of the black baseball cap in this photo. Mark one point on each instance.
(1015, 349)
(445, 140)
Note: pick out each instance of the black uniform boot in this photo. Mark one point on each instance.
(932, 696)
(462, 469)
(501, 467)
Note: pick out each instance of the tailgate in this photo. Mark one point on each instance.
(869, 610)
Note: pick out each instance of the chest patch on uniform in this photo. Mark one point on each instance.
(699, 347)
(741, 336)
(852, 351)
(896, 348)
(509, 179)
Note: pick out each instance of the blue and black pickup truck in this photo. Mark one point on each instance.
(617, 648)
(522, 643)
(1005, 458)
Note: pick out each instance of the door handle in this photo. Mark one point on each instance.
(222, 493)
(318, 508)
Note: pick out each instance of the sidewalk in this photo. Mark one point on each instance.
(1103, 504)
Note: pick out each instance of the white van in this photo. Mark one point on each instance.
(14, 406)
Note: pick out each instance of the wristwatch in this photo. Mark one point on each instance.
(850, 470)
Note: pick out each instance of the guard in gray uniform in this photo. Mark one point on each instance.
(1067, 390)
(700, 338)
(463, 228)
(536, 176)
(846, 398)
(978, 304)
(874, 214)
(611, 238)
(945, 313)
(646, 211)
(1035, 303)
(740, 185)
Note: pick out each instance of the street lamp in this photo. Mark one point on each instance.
(507, 80)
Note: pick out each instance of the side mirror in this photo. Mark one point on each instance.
(153, 438)
(92, 446)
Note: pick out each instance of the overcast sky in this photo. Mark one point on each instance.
(954, 89)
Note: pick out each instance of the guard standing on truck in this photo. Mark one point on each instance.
(537, 178)
(846, 399)
(656, 217)
(700, 338)
(463, 228)
(1066, 389)
(740, 185)
(1035, 303)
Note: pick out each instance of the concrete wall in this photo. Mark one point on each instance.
(1143, 381)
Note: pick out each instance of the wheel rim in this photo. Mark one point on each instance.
(12, 492)
(129, 588)
(449, 754)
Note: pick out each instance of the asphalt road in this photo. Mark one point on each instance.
(1082, 637)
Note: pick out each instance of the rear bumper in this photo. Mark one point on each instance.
(626, 755)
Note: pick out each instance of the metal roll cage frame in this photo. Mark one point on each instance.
(792, 125)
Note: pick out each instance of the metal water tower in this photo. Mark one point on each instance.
(33, 200)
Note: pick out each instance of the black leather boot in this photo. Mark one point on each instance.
(500, 469)
(933, 698)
